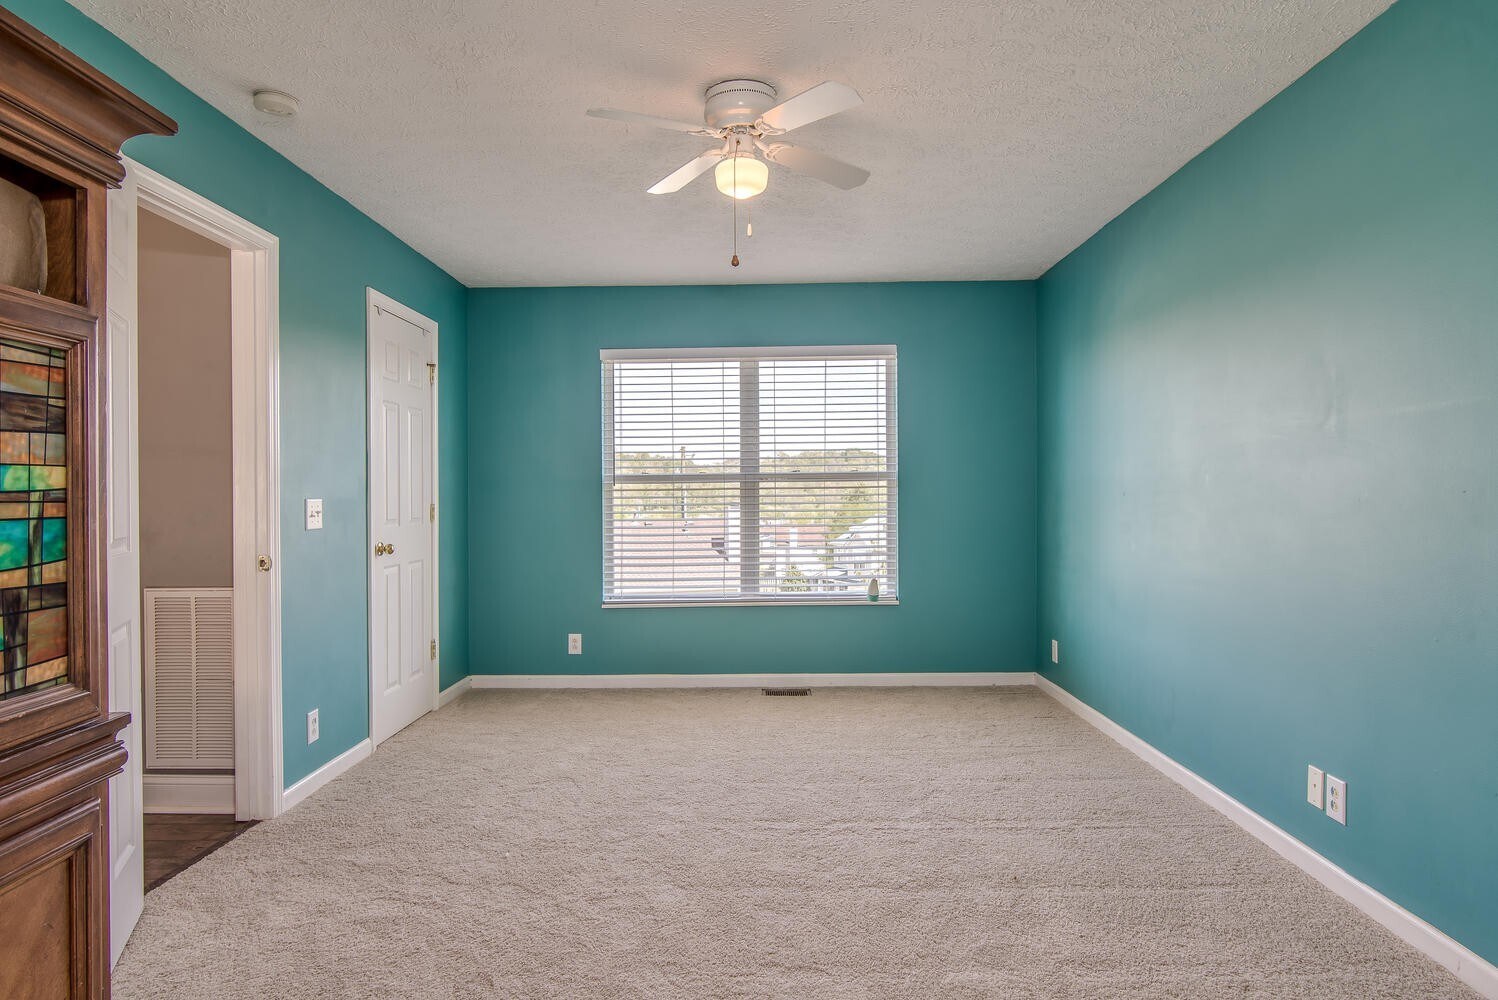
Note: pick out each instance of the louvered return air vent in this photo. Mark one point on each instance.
(189, 679)
(786, 692)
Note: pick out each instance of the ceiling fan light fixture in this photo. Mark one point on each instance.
(741, 176)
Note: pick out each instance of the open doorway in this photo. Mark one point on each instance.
(186, 505)
(193, 604)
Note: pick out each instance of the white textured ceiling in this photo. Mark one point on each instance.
(1000, 133)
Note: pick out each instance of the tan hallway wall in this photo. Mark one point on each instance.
(186, 434)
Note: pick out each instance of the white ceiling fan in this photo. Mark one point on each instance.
(743, 117)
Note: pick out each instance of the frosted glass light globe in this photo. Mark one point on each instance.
(741, 176)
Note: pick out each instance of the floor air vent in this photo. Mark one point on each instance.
(786, 692)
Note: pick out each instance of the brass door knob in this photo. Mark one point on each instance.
(384, 549)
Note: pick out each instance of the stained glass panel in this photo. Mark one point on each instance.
(33, 518)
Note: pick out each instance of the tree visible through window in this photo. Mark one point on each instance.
(749, 476)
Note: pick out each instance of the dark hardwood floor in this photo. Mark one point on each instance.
(175, 843)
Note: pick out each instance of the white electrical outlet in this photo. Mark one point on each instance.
(575, 643)
(314, 515)
(312, 726)
(1336, 799)
(1315, 794)
(1055, 651)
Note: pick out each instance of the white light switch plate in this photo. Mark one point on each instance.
(575, 643)
(314, 515)
(1315, 794)
(1336, 799)
(1055, 651)
(312, 726)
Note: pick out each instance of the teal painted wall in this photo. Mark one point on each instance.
(1258, 458)
(329, 253)
(1269, 487)
(967, 487)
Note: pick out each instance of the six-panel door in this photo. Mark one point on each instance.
(402, 655)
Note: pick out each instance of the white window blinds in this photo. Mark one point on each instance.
(765, 475)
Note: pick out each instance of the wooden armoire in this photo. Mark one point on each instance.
(61, 126)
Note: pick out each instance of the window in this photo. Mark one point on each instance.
(749, 476)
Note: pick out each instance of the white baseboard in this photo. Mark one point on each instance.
(188, 793)
(449, 695)
(955, 679)
(332, 769)
(1466, 964)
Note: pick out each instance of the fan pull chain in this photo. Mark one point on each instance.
(735, 260)
(749, 229)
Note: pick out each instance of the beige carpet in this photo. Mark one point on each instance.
(951, 842)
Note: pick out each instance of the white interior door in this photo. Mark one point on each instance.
(402, 639)
(126, 849)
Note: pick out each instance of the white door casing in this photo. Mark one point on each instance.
(122, 525)
(402, 516)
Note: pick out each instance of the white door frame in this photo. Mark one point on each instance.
(254, 263)
(377, 302)
(119, 478)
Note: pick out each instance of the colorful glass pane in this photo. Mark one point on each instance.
(33, 519)
(15, 543)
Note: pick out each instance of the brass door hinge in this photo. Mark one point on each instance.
(432, 512)
(431, 373)
(434, 649)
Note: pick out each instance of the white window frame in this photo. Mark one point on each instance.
(748, 475)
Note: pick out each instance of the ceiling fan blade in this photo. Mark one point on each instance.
(686, 173)
(818, 165)
(813, 105)
(635, 118)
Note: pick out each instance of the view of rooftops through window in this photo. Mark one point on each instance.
(749, 478)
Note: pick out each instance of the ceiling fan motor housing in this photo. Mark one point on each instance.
(737, 102)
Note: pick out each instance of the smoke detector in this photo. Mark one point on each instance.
(273, 102)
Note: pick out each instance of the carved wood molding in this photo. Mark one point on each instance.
(64, 109)
(40, 777)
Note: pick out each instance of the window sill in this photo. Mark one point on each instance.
(781, 603)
